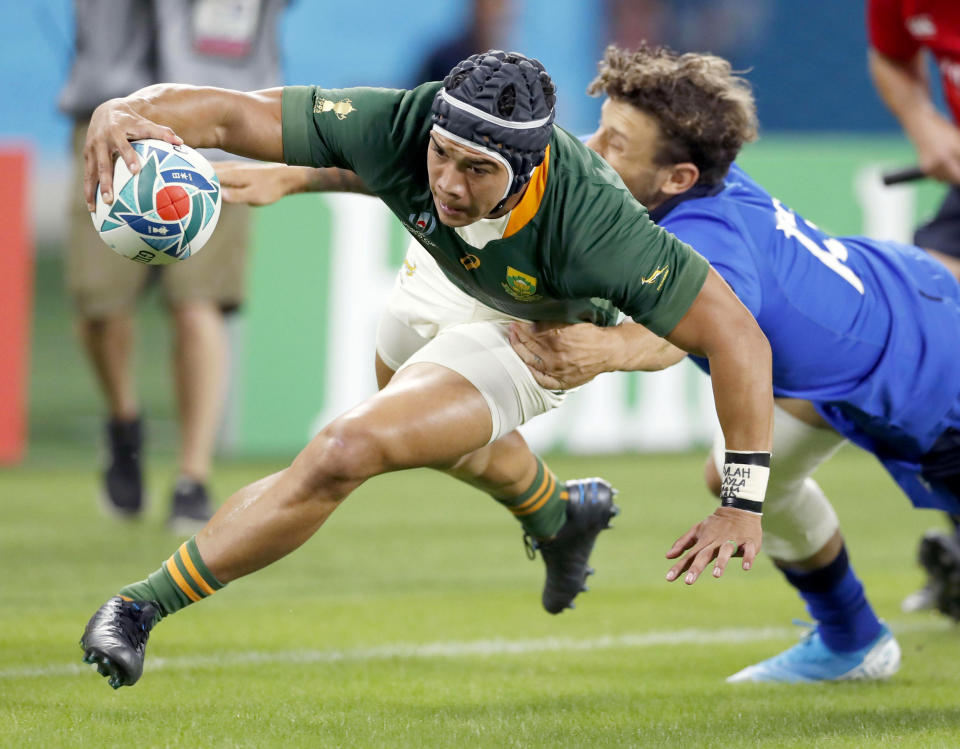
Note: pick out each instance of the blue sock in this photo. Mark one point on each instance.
(835, 599)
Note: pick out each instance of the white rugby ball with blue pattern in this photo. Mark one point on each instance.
(165, 212)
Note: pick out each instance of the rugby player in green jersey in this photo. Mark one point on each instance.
(513, 219)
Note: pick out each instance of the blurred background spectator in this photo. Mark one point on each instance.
(121, 46)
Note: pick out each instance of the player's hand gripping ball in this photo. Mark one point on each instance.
(165, 212)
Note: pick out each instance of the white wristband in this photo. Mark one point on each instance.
(744, 480)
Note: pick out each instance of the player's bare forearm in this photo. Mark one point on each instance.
(262, 184)
(332, 179)
(239, 122)
(645, 351)
(248, 124)
(720, 328)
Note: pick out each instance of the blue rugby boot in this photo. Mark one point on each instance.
(116, 639)
(589, 509)
(811, 661)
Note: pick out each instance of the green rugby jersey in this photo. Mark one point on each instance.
(577, 247)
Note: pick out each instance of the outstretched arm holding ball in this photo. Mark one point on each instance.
(247, 124)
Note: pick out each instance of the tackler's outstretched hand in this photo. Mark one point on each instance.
(113, 125)
(262, 184)
(562, 356)
(254, 184)
(727, 533)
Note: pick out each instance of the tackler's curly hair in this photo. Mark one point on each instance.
(705, 111)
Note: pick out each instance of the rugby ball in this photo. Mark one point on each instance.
(166, 211)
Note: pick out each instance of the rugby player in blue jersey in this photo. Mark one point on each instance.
(861, 331)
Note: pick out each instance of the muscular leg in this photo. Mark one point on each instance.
(504, 469)
(199, 364)
(444, 331)
(561, 520)
(427, 416)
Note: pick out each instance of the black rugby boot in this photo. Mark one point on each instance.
(589, 510)
(116, 639)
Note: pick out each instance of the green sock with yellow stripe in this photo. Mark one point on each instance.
(181, 580)
(541, 509)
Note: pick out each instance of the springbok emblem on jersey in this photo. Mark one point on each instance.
(521, 286)
(659, 273)
(340, 108)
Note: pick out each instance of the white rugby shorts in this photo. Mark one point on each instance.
(429, 319)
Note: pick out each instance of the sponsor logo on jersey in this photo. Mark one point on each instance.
(421, 225)
(472, 262)
(921, 27)
(340, 108)
(659, 273)
(521, 286)
(424, 223)
(409, 268)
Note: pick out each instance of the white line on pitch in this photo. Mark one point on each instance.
(466, 649)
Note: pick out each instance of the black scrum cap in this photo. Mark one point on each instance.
(503, 105)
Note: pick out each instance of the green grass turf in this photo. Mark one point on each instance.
(413, 618)
(321, 649)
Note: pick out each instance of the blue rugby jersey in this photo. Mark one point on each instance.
(868, 330)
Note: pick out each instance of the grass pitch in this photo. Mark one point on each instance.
(413, 619)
